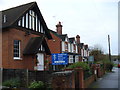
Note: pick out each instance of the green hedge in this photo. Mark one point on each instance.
(83, 65)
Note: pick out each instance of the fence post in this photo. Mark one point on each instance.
(27, 72)
(1, 71)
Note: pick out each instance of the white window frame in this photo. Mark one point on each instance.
(19, 51)
(63, 46)
(69, 47)
(76, 49)
(76, 58)
(70, 58)
(72, 47)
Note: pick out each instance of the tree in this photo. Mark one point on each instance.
(97, 52)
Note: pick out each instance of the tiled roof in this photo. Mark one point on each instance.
(34, 45)
(71, 40)
(13, 15)
(63, 36)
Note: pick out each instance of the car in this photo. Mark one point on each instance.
(119, 65)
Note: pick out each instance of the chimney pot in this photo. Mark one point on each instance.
(59, 28)
(78, 39)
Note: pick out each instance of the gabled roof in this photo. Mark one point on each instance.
(81, 45)
(13, 15)
(34, 44)
(71, 40)
(63, 36)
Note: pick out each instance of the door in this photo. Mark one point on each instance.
(40, 64)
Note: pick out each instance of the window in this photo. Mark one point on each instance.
(31, 21)
(41, 29)
(36, 23)
(16, 49)
(76, 59)
(23, 21)
(19, 23)
(27, 20)
(66, 46)
(39, 26)
(4, 19)
(70, 58)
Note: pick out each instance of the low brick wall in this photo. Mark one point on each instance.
(62, 80)
(89, 80)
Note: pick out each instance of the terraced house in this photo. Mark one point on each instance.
(62, 44)
(24, 38)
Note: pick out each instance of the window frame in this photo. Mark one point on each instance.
(16, 58)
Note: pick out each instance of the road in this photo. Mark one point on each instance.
(109, 80)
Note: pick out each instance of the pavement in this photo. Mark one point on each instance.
(109, 80)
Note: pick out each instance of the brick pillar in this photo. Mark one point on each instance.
(99, 71)
(81, 77)
(94, 67)
(63, 80)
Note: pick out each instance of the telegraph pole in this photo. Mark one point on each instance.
(109, 48)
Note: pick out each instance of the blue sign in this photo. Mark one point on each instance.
(91, 58)
(60, 59)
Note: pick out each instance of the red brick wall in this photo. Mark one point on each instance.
(7, 50)
(54, 45)
(88, 81)
(61, 82)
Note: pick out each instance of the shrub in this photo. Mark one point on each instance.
(14, 82)
(83, 65)
(87, 74)
(108, 65)
(36, 84)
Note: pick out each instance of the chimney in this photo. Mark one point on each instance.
(59, 28)
(78, 39)
(86, 46)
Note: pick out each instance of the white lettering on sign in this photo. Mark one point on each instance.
(54, 56)
(59, 61)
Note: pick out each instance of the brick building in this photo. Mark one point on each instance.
(62, 44)
(83, 49)
(24, 38)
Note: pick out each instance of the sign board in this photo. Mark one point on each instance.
(91, 58)
(60, 59)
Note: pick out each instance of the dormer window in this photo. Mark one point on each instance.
(66, 39)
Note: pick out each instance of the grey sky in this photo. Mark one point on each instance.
(93, 20)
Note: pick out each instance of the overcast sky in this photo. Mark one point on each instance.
(93, 20)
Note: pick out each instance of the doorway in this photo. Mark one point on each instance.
(40, 64)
